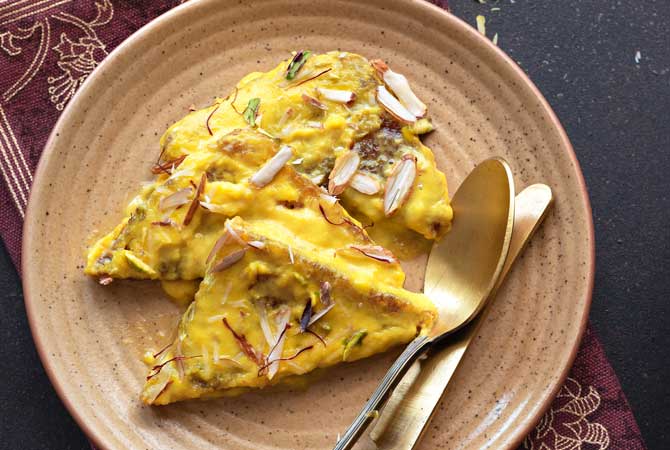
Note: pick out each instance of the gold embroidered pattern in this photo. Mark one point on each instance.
(77, 57)
(13, 166)
(566, 426)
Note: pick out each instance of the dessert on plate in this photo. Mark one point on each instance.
(349, 131)
(269, 207)
(266, 312)
(172, 225)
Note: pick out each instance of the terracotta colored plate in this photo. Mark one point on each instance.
(91, 338)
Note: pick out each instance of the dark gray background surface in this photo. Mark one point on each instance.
(581, 54)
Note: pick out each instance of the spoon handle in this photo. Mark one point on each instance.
(371, 409)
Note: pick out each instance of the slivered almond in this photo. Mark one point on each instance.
(346, 166)
(278, 347)
(337, 95)
(167, 166)
(328, 199)
(165, 223)
(175, 200)
(314, 102)
(165, 387)
(213, 207)
(376, 252)
(324, 293)
(230, 233)
(317, 179)
(265, 323)
(401, 88)
(229, 260)
(233, 234)
(256, 244)
(267, 173)
(365, 184)
(380, 66)
(393, 106)
(196, 200)
(217, 246)
(399, 184)
(320, 314)
(182, 173)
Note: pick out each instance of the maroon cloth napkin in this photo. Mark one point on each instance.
(48, 48)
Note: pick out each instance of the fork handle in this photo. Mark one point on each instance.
(371, 409)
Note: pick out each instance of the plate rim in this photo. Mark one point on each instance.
(517, 435)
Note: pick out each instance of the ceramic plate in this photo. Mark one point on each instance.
(91, 338)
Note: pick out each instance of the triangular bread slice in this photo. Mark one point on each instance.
(268, 311)
(311, 114)
(172, 225)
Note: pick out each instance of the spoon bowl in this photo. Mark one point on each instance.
(464, 266)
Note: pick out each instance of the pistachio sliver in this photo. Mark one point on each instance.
(353, 341)
(137, 264)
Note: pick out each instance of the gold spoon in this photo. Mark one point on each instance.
(471, 258)
(414, 401)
